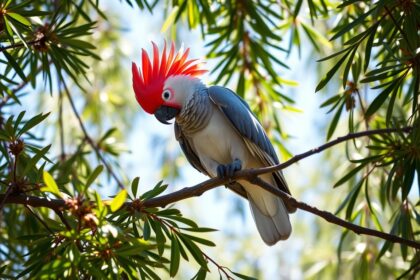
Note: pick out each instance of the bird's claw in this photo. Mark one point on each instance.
(227, 170)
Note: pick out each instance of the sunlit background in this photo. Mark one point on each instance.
(150, 151)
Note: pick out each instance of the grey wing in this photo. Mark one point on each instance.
(194, 160)
(243, 120)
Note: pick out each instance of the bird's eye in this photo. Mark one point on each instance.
(166, 95)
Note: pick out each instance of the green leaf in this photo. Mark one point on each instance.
(353, 198)
(380, 99)
(330, 73)
(169, 212)
(146, 230)
(383, 74)
(135, 248)
(349, 175)
(315, 37)
(297, 8)
(369, 45)
(347, 68)
(77, 43)
(335, 120)
(331, 100)
(335, 54)
(409, 172)
(19, 18)
(353, 193)
(98, 170)
(15, 65)
(201, 274)
(31, 123)
(118, 200)
(107, 134)
(9, 30)
(200, 240)
(51, 185)
(158, 189)
(351, 25)
(32, 162)
(175, 256)
(135, 185)
(100, 204)
(160, 237)
(371, 208)
(183, 220)
(170, 19)
(195, 251)
(2, 269)
(241, 276)
(4, 6)
(391, 106)
(199, 229)
(183, 251)
(18, 120)
(16, 31)
(240, 88)
(388, 245)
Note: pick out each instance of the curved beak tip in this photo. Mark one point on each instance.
(166, 113)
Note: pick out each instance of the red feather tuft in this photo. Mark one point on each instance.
(148, 84)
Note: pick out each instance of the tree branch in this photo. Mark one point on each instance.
(252, 176)
(198, 189)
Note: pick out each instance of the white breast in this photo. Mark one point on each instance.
(219, 143)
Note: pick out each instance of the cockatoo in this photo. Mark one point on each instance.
(216, 130)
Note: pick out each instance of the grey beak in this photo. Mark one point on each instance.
(166, 113)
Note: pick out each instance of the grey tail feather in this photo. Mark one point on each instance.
(272, 228)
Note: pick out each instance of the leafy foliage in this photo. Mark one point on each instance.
(67, 157)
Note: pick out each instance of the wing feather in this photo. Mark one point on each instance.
(244, 121)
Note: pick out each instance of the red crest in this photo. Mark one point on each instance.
(148, 83)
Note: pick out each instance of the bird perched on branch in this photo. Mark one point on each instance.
(216, 130)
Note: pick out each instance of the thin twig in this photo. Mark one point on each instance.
(327, 145)
(39, 219)
(89, 139)
(331, 218)
(62, 218)
(219, 267)
(363, 108)
(399, 28)
(415, 268)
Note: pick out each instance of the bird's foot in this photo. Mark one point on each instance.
(227, 170)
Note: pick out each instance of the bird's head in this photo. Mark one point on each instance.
(163, 86)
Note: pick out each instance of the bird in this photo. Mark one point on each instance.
(216, 130)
